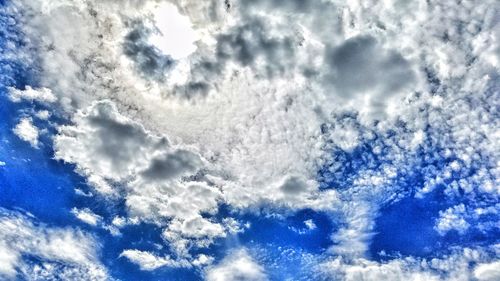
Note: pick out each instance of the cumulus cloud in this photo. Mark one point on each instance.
(110, 148)
(43, 114)
(86, 216)
(149, 60)
(106, 144)
(364, 73)
(452, 219)
(27, 131)
(238, 265)
(148, 261)
(30, 94)
(487, 271)
(385, 98)
(60, 251)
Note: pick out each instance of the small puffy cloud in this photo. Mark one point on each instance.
(149, 261)
(26, 131)
(364, 270)
(86, 216)
(42, 95)
(237, 266)
(2, 163)
(310, 224)
(453, 218)
(43, 114)
(61, 251)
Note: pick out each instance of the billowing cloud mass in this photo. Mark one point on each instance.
(252, 140)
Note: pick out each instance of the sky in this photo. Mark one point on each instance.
(249, 140)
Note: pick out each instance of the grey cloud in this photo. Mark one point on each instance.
(248, 42)
(119, 142)
(361, 65)
(299, 6)
(105, 143)
(323, 17)
(149, 61)
(294, 186)
(171, 165)
(243, 44)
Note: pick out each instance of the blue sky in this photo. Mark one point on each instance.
(324, 140)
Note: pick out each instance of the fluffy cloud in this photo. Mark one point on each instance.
(452, 219)
(87, 216)
(362, 72)
(30, 94)
(455, 266)
(106, 144)
(59, 251)
(385, 98)
(487, 271)
(148, 261)
(238, 265)
(112, 149)
(27, 131)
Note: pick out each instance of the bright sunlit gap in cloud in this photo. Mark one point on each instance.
(174, 34)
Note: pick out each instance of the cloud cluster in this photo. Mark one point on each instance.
(34, 251)
(386, 99)
(30, 94)
(466, 264)
(158, 181)
(27, 131)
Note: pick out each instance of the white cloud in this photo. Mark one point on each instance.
(2, 163)
(112, 149)
(167, 184)
(66, 248)
(452, 219)
(106, 144)
(30, 94)
(455, 266)
(148, 261)
(26, 131)
(310, 224)
(87, 216)
(253, 135)
(237, 266)
(171, 24)
(487, 271)
(43, 114)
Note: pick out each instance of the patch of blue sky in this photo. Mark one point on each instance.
(406, 222)
(30, 180)
(284, 245)
(144, 237)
